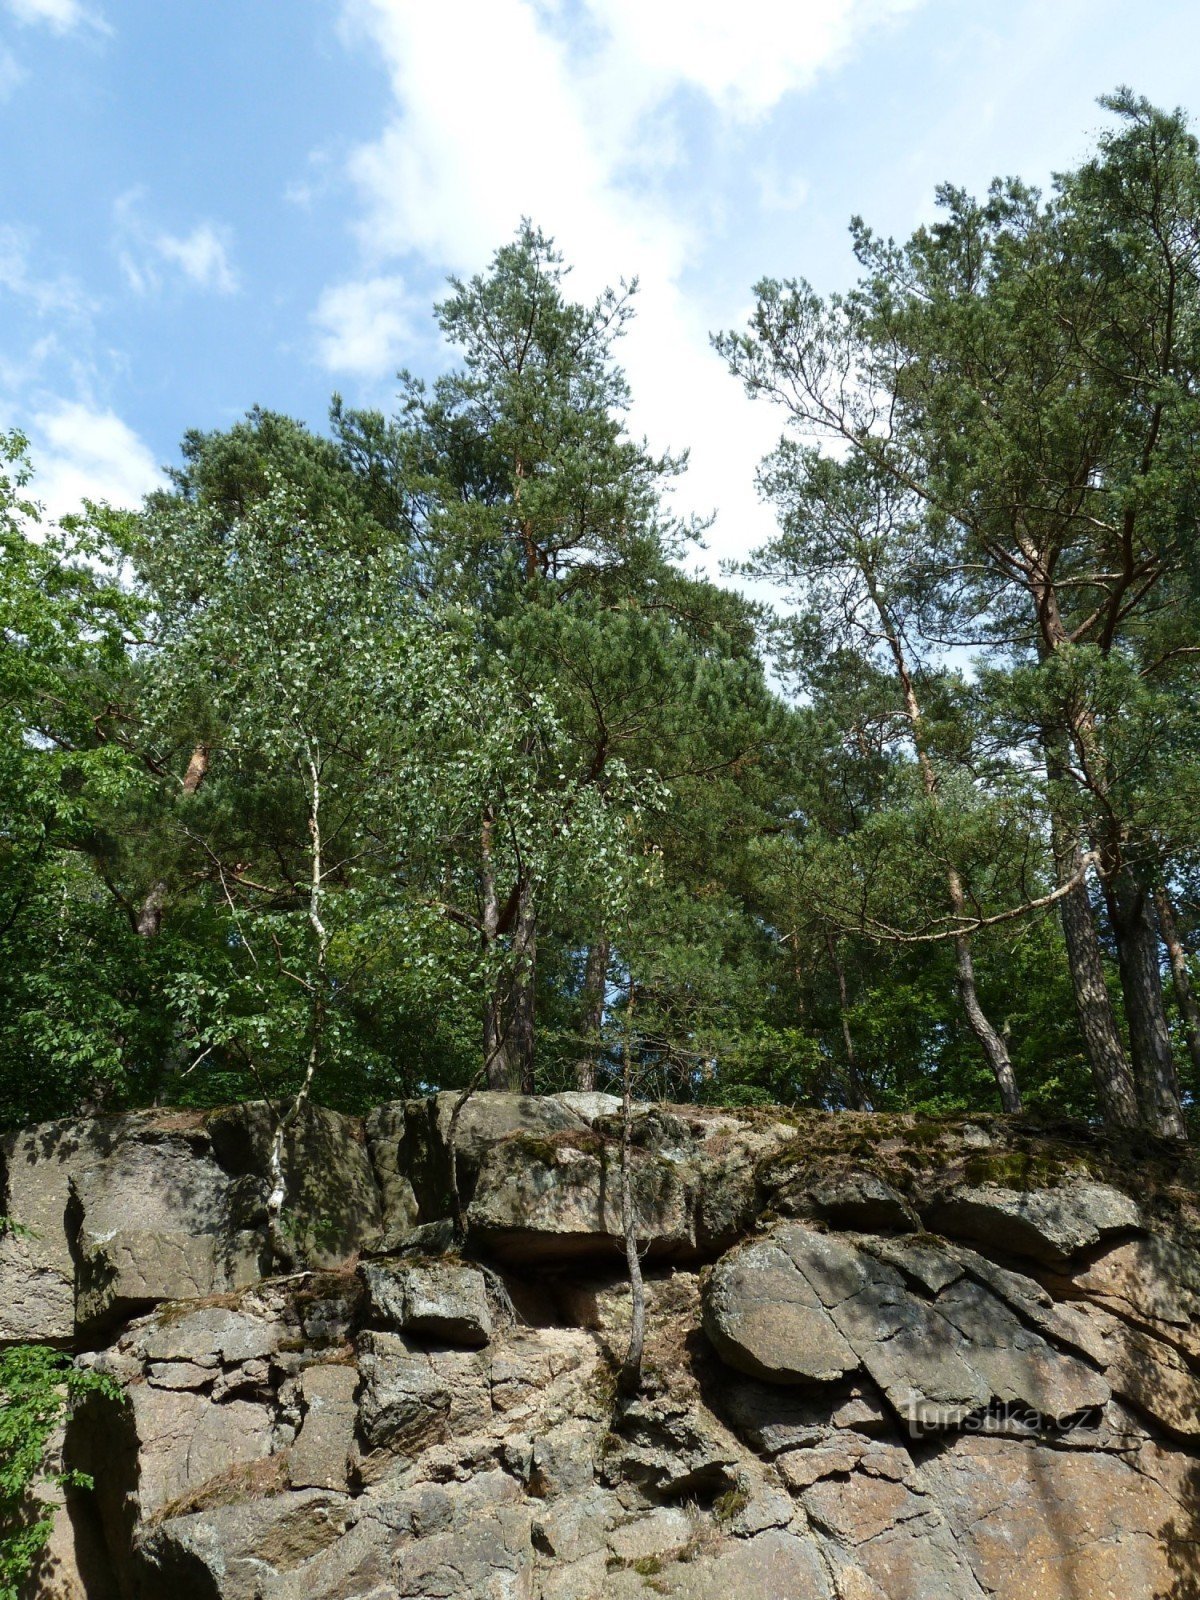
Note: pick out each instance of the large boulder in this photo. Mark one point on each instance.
(767, 1320)
(805, 1307)
(431, 1299)
(559, 1198)
(111, 1215)
(411, 1143)
(1047, 1225)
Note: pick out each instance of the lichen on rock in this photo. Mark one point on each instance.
(874, 1370)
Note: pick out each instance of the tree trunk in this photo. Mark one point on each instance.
(524, 993)
(508, 1020)
(995, 1051)
(495, 1041)
(150, 915)
(630, 1380)
(280, 1247)
(1181, 979)
(495, 1020)
(990, 1042)
(854, 1088)
(1154, 1069)
(595, 984)
(1112, 1076)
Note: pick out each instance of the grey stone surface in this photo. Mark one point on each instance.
(1048, 1225)
(116, 1214)
(539, 1199)
(872, 1416)
(435, 1299)
(765, 1318)
(805, 1307)
(320, 1456)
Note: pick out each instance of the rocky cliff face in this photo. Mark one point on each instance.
(886, 1358)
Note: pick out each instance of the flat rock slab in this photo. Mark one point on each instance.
(540, 1199)
(432, 1299)
(1047, 1225)
(320, 1456)
(115, 1214)
(802, 1307)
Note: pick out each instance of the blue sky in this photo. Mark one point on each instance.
(208, 204)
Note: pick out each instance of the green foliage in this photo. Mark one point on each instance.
(37, 1388)
(412, 750)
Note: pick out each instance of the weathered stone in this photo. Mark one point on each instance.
(771, 1421)
(671, 1449)
(1019, 1366)
(562, 1461)
(775, 1563)
(766, 1319)
(1048, 1225)
(37, 1267)
(891, 1541)
(861, 1200)
(923, 1262)
(115, 1214)
(399, 1212)
(276, 1442)
(73, 1564)
(37, 1301)
(474, 1561)
(779, 1307)
(175, 1444)
(332, 1201)
(404, 1402)
(589, 1104)
(245, 1551)
(433, 1299)
(208, 1335)
(319, 1459)
(1151, 1375)
(575, 1527)
(1076, 1525)
(411, 1140)
(1155, 1279)
(665, 1529)
(548, 1199)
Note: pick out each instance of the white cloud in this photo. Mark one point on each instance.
(48, 293)
(747, 56)
(12, 74)
(201, 257)
(80, 452)
(778, 193)
(364, 326)
(578, 126)
(63, 16)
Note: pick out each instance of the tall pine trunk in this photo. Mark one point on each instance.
(855, 1093)
(496, 1016)
(524, 993)
(591, 1021)
(1132, 915)
(995, 1051)
(1181, 978)
(150, 913)
(1112, 1076)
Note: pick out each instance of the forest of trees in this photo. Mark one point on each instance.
(415, 752)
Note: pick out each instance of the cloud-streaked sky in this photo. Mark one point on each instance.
(207, 207)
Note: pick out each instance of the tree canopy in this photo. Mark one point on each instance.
(415, 753)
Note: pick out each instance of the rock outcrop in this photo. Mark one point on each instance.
(888, 1359)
